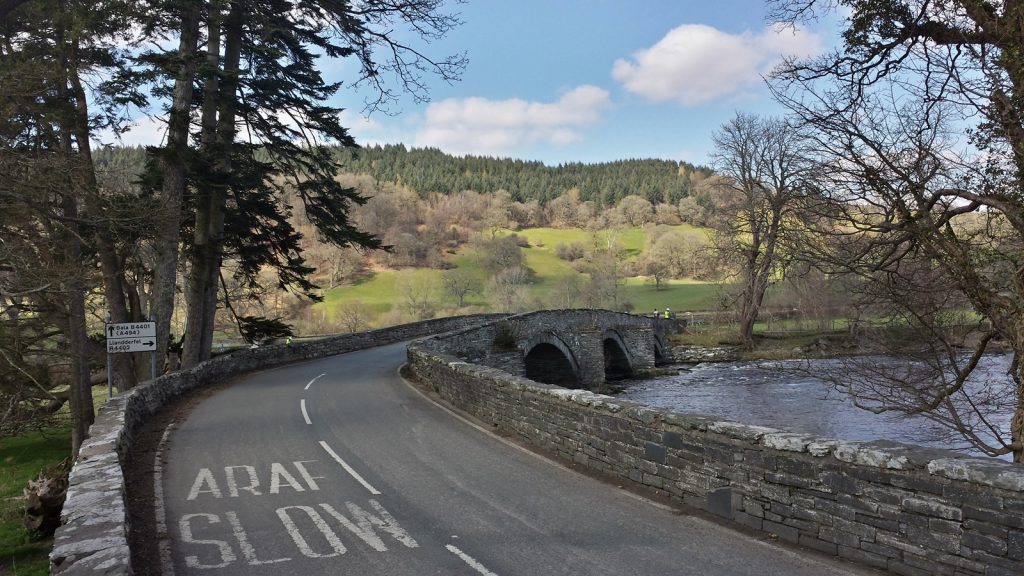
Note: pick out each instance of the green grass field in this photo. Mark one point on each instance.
(679, 295)
(22, 458)
(382, 292)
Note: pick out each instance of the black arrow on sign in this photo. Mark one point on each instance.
(150, 343)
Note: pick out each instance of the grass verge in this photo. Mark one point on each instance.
(21, 459)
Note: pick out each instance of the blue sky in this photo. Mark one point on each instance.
(588, 81)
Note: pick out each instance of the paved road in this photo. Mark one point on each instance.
(339, 467)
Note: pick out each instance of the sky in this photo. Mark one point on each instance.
(586, 80)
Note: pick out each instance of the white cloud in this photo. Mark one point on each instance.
(145, 131)
(356, 122)
(696, 64)
(501, 127)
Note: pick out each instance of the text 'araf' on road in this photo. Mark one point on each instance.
(220, 540)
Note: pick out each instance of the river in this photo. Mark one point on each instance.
(784, 395)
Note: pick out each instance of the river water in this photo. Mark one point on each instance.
(786, 396)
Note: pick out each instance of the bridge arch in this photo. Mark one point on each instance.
(660, 350)
(549, 360)
(618, 363)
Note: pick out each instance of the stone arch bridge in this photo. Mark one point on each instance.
(570, 348)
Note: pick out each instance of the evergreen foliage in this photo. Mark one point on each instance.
(429, 170)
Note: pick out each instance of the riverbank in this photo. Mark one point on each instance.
(796, 345)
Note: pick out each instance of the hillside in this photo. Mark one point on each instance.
(438, 212)
(388, 295)
(428, 170)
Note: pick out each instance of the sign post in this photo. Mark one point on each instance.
(125, 337)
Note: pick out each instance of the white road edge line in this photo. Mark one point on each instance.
(470, 561)
(314, 380)
(526, 451)
(305, 415)
(163, 537)
(349, 469)
(696, 519)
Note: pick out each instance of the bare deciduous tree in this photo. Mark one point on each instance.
(460, 283)
(764, 162)
(420, 291)
(353, 316)
(507, 289)
(919, 119)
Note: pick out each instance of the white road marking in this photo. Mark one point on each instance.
(305, 415)
(279, 473)
(337, 548)
(167, 565)
(313, 380)
(469, 560)
(520, 448)
(233, 488)
(349, 469)
(204, 478)
(309, 478)
(227, 555)
(248, 551)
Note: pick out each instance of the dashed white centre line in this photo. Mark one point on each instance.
(314, 380)
(348, 468)
(305, 415)
(469, 560)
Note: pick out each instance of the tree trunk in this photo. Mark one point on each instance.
(749, 310)
(202, 261)
(1017, 420)
(172, 165)
(219, 108)
(760, 264)
(123, 365)
(82, 415)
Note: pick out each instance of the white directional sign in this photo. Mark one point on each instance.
(131, 337)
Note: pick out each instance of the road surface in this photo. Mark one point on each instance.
(337, 466)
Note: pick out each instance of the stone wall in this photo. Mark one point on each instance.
(578, 333)
(93, 536)
(906, 509)
(698, 354)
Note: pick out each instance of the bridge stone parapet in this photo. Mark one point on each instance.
(573, 348)
(901, 508)
(93, 538)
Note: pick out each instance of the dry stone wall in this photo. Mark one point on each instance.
(578, 333)
(93, 536)
(905, 509)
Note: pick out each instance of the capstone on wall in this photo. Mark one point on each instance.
(578, 333)
(93, 537)
(905, 509)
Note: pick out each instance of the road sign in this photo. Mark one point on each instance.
(131, 337)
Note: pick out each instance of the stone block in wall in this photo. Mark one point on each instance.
(862, 557)
(1015, 545)
(930, 507)
(818, 544)
(990, 544)
(655, 452)
(93, 536)
(979, 471)
(838, 537)
(885, 503)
